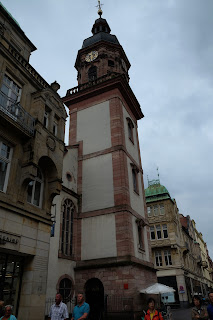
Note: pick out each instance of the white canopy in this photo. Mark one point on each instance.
(157, 288)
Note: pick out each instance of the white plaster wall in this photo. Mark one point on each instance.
(144, 255)
(136, 200)
(61, 266)
(131, 148)
(97, 183)
(93, 127)
(70, 164)
(98, 237)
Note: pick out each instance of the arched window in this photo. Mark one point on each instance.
(35, 190)
(67, 228)
(65, 287)
(92, 73)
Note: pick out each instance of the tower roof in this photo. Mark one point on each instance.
(156, 191)
(101, 32)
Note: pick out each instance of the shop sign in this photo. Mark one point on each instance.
(181, 290)
(5, 238)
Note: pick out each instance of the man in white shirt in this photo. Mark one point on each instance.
(58, 311)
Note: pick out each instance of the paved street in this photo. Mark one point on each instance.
(181, 314)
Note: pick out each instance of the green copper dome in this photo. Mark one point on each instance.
(156, 191)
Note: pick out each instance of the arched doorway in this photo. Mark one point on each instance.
(94, 293)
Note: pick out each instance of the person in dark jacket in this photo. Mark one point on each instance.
(199, 311)
(210, 306)
(152, 313)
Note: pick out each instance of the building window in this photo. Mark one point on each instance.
(92, 73)
(5, 162)
(46, 118)
(165, 231)
(35, 190)
(149, 211)
(162, 210)
(158, 259)
(10, 92)
(152, 233)
(158, 231)
(55, 127)
(140, 226)
(167, 257)
(52, 232)
(65, 289)
(130, 129)
(67, 228)
(135, 172)
(156, 210)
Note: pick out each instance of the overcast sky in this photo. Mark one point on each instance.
(170, 47)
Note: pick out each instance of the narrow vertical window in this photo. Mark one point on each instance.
(5, 162)
(149, 211)
(162, 210)
(130, 129)
(46, 118)
(167, 257)
(67, 228)
(135, 172)
(156, 210)
(55, 127)
(158, 231)
(165, 231)
(92, 73)
(152, 233)
(35, 190)
(140, 226)
(158, 259)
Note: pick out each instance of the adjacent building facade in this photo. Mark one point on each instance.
(32, 120)
(176, 250)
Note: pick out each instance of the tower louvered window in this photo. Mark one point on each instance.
(67, 228)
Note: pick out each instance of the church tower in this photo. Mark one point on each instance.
(111, 236)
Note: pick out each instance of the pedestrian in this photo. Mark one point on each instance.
(8, 313)
(152, 313)
(210, 306)
(58, 311)
(1, 308)
(82, 309)
(198, 311)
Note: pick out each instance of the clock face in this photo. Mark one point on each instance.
(91, 56)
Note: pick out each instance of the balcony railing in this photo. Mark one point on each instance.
(92, 83)
(15, 111)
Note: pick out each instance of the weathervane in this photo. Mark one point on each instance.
(100, 12)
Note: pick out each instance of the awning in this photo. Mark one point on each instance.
(157, 288)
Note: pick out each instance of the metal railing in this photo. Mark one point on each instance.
(16, 112)
(93, 82)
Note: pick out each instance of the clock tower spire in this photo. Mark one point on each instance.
(101, 54)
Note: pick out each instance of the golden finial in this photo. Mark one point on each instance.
(100, 12)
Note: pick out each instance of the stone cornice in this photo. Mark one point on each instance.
(104, 84)
(113, 262)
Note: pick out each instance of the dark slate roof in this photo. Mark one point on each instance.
(100, 36)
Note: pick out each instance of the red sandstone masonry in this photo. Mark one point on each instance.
(124, 234)
(114, 278)
(73, 127)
